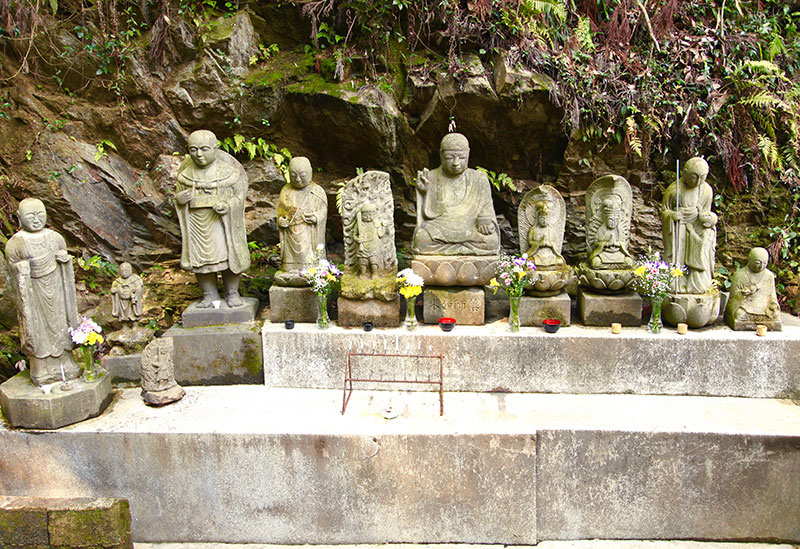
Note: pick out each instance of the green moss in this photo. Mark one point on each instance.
(220, 29)
(384, 288)
(251, 360)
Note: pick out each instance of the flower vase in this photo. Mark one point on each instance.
(655, 324)
(411, 316)
(323, 320)
(90, 372)
(513, 313)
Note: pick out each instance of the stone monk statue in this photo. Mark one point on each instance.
(753, 299)
(302, 214)
(126, 294)
(40, 271)
(210, 199)
(455, 214)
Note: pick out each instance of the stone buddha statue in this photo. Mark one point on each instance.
(543, 248)
(753, 299)
(455, 214)
(610, 250)
(40, 272)
(210, 199)
(302, 215)
(126, 294)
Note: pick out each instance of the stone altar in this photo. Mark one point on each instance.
(753, 299)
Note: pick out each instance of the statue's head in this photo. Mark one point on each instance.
(757, 259)
(611, 206)
(203, 147)
(125, 270)
(694, 172)
(454, 154)
(542, 213)
(368, 211)
(32, 215)
(300, 172)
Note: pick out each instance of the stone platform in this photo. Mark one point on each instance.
(249, 464)
(194, 316)
(714, 361)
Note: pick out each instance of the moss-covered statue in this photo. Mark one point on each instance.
(210, 200)
(753, 299)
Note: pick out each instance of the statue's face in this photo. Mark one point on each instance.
(202, 151)
(612, 219)
(454, 162)
(300, 176)
(366, 215)
(33, 218)
(691, 179)
(125, 270)
(756, 262)
(543, 219)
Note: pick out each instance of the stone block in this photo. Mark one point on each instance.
(382, 314)
(298, 304)
(26, 405)
(194, 316)
(532, 310)
(22, 524)
(466, 305)
(448, 270)
(749, 325)
(217, 355)
(123, 367)
(603, 309)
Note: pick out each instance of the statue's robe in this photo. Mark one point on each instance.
(126, 298)
(542, 248)
(300, 240)
(449, 212)
(212, 242)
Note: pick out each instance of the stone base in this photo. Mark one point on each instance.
(130, 339)
(749, 325)
(532, 310)
(49, 369)
(194, 316)
(602, 309)
(298, 304)
(383, 288)
(123, 367)
(26, 405)
(162, 398)
(466, 305)
(217, 355)
(696, 310)
(382, 314)
(464, 270)
(612, 281)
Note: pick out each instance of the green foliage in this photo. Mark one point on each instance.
(100, 149)
(97, 266)
(264, 53)
(258, 148)
(500, 181)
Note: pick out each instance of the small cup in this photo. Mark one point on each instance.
(289, 324)
(616, 328)
(551, 325)
(368, 326)
(447, 324)
(761, 330)
(683, 328)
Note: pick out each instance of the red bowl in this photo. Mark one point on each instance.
(446, 323)
(551, 325)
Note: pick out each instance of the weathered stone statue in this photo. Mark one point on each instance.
(40, 271)
(302, 213)
(210, 199)
(455, 214)
(126, 294)
(158, 373)
(690, 238)
(753, 299)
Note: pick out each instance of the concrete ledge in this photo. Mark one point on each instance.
(248, 464)
(714, 362)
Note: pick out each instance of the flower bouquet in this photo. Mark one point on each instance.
(513, 274)
(653, 281)
(322, 277)
(410, 286)
(87, 335)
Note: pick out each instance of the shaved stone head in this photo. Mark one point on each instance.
(454, 142)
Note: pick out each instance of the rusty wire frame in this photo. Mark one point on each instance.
(349, 379)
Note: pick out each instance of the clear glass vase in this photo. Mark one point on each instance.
(90, 371)
(654, 325)
(513, 313)
(323, 320)
(411, 316)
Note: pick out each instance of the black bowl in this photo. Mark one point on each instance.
(289, 324)
(447, 324)
(551, 325)
(368, 326)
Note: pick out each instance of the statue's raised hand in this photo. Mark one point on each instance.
(423, 179)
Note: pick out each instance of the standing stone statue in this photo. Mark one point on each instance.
(210, 200)
(126, 294)
(40, 271)
(753, 299)
(158, 373)
(455, 214)
(689, 228)
(302, 214)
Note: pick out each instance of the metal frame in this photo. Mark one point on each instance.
(349, 379)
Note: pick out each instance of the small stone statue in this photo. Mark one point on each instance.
(302, 214)
(158, 374)
(210, 199)
(455, 213)
(368, 223)
(541, 227)
(40, 271)
(753, 299)
(608, 233)
(126, 294)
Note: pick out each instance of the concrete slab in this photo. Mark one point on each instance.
(715, 361)
(298, 304)
(251, 464)
(194, 316)
(355, 312)
(597, 309)
(576, 544)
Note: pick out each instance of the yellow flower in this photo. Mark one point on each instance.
(639, 271)
(676, 272)
(94, 339)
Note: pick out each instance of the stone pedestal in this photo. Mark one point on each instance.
(532, 310)
(455, 270)
(26, 405)
(601, 309)
(298, 304)
(466, 305)
(194, 316)
(382, 314)
(696, 310)
(123, 367)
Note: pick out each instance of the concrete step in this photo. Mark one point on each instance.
(578, 544)
(250, 464)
